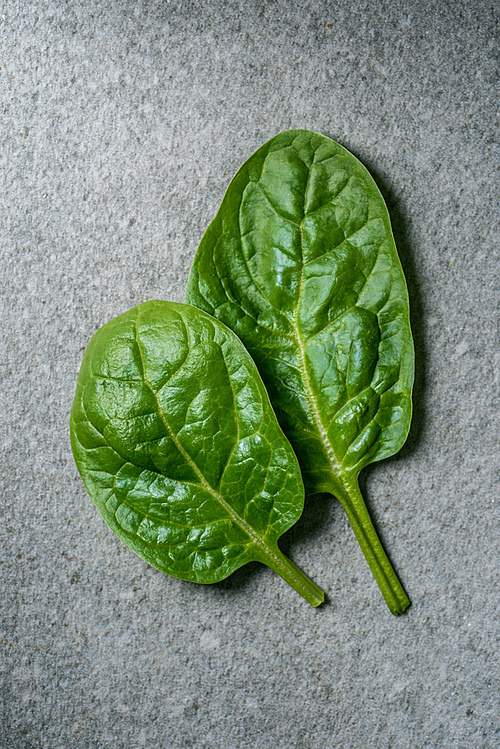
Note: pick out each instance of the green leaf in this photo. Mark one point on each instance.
(180, 450)
(300, 262)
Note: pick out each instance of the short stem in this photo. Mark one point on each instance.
(287, 570)
(377, 559)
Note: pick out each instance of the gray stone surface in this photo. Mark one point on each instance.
(121, 124)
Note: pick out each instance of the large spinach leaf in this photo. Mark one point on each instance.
(179, 447)
(301, 263)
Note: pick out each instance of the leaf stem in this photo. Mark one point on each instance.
(366, 535)
(289, 572)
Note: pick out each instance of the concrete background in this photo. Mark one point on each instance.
(121, 125)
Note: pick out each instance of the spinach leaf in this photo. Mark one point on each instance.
(301, 263)
(180, 450)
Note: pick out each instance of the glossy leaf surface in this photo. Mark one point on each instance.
(180, 450)
(300, 262)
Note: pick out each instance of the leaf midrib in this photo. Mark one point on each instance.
(268, 551)
(336, 467)
(320, 427)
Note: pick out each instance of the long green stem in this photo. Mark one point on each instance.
(287, 570)
(377, 559)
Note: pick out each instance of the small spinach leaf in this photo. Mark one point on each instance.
(301, 263)
(180, 450)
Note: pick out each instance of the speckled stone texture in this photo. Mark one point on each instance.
(121, 125)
